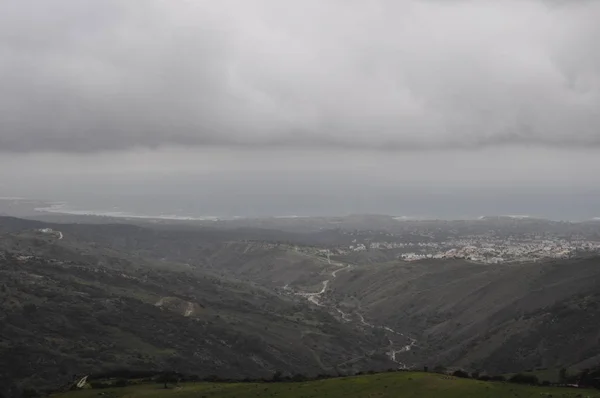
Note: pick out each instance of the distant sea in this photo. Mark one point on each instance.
(406, 206)
(116, 211)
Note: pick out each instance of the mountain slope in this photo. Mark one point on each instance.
(491, 317)
(68, 308)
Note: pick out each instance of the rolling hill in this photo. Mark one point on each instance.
(396, 385)
(68, 307)
(497, 318)
(246, 302)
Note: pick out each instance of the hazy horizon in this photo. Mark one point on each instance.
(448, 109)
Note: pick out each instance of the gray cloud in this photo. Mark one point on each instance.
(93, 75)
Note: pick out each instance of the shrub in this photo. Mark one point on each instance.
(299, 377)
(277, 376)
(121, 383)
(461, 373)
(99, 384)
(29, 393)
(524, 379)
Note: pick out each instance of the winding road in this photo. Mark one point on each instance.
(313, 298)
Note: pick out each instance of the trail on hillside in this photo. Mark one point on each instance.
(314, 299)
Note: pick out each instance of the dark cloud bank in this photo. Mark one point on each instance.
(85, 75)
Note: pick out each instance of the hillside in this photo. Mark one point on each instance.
(246, 302)
(396, 385)
(72, 308)
(497, 318)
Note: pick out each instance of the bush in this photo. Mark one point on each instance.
(484, 378)
(461, 373)
(590, 378)
(299, 377)
(121, 383)
(29, 393)
(123, 374)
(497, 378)
(168, 378)
(99, 384)
(524, 379)
(277, 376)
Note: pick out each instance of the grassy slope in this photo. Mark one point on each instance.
(496, 318)
(94, 309)
(400, 385)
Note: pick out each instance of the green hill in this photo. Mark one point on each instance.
(70, 307)
(398, 385)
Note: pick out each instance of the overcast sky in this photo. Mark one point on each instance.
(425, 92)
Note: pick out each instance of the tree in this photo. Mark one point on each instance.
(460, 373)
(524, 379)
(121, 383)
(563, 375)
(277, 376)
(299, 378)
(29, 393)
(167, 378)
(590, 378)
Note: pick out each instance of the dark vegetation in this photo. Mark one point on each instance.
(71, 307)
(499, 318)
(210, 303)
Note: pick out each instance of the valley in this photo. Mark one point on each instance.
(239, 303)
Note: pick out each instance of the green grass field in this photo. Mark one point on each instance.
(387, 385)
